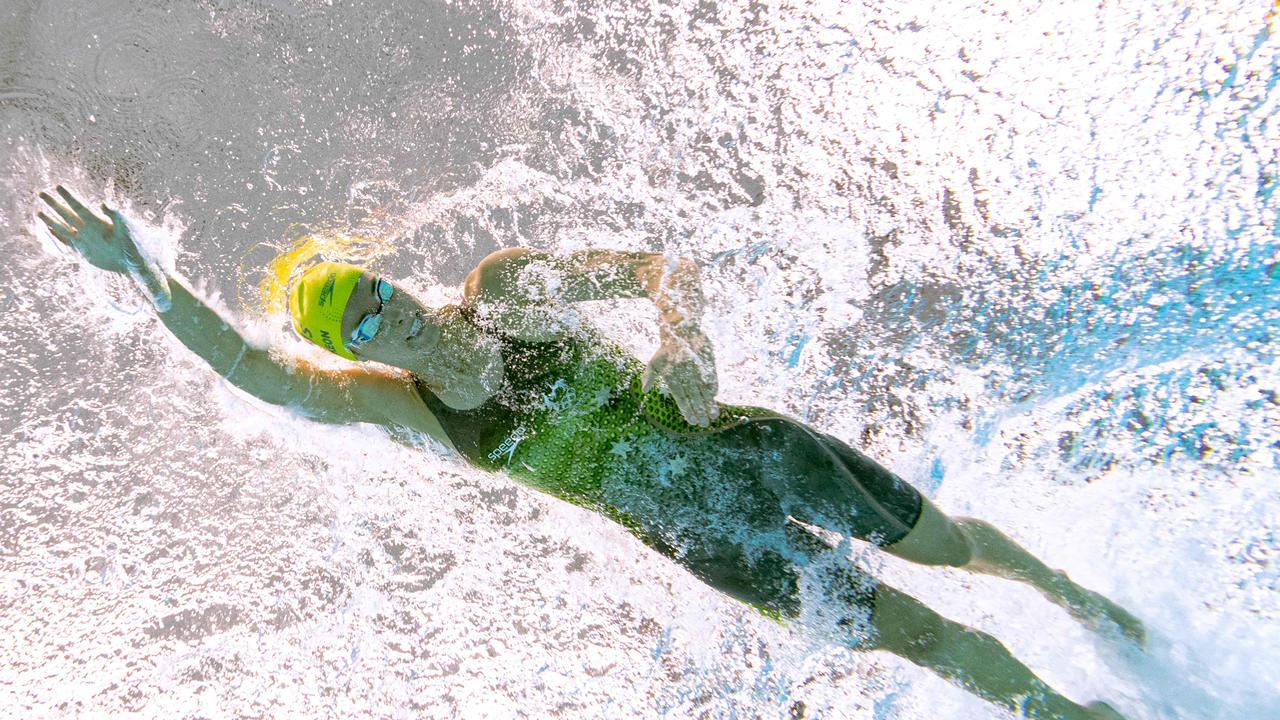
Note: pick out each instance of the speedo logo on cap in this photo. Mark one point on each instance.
(328, 341)
(326, 292)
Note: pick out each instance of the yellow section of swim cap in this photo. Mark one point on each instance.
(311, 246)
(317, 301)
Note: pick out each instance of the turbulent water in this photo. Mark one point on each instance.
(1024, 253)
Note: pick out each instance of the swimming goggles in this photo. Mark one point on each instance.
(370, 323)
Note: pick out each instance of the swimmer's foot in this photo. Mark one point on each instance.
(1102, 711)
(1096, 611)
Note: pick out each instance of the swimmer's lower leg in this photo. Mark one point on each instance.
(972, 659)
(978, 546)
(995, 554)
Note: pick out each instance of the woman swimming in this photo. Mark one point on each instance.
(742, 497)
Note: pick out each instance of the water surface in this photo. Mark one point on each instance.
(1025, 254)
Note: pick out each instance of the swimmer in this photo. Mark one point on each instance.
(731, 493)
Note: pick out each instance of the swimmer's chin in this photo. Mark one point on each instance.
(421, 337)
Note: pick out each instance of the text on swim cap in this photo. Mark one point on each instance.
(326, 292)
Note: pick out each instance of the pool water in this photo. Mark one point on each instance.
(1024, 254)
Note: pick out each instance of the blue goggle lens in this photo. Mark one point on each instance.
(365, 331)
(368, 327)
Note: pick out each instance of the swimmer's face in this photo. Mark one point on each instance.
(406, 328)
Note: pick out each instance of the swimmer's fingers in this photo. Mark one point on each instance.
(673, 383)
(59, 231)
(695, 408)
(706, 398)
(654, 372)
(680, 394)
(690, 394)
(117, 220)
(664, 373)
(86, 215)
(687, 371)
(67, 216)
(702, 381)
(102, 243)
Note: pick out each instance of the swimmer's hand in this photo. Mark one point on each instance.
(106, 244)
(686, 367)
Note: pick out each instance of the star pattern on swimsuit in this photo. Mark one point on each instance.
(677, 466)
(602, 397)
(620, 448)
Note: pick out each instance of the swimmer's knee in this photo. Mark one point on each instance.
(978, 534)
(904, 626)
(935, 539)
(913, 631)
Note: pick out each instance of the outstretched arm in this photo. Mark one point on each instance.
(355, 394)
(519, 285)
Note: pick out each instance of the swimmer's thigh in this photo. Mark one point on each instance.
(770, 578)
(766, 580)
(827, 483)
(893, 514)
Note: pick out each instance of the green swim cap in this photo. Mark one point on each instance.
(317, 301)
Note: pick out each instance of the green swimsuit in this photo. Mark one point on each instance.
(571, 421)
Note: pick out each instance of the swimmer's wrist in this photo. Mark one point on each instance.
(142, 267)
(153, 283)
(677, 318)
(676, 324)
(679, 312)
(686, 335)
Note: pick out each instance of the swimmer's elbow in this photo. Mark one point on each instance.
(354, 394)
(256, 372)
